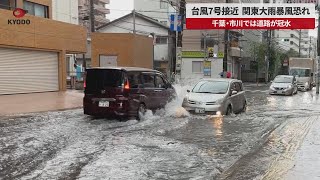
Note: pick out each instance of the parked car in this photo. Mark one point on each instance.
(125, 91)
(216, 97)
(284, 85)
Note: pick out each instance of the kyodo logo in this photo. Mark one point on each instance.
(19, 13)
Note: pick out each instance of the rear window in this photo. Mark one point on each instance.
(97, 79)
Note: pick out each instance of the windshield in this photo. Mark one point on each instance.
(214, 87)
(300, 72)
(283, 79)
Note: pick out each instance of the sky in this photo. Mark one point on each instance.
(119, 8)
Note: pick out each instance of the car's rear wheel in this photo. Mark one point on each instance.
(244, 109)
(141, 111)
(229, 110)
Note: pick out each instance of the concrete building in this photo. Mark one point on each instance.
(144, 25)
(159, 10)
(65, 11)
(100, 13)
(33, 55)
(297, 40)
(193, 43)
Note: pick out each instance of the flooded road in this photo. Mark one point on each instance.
(170, 144)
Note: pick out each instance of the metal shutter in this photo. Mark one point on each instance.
(28, 71)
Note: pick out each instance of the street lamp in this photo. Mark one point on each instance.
(152, 35)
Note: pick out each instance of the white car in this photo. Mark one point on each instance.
(216, 97)
(284, 85)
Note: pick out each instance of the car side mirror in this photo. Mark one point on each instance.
(311, 74)
(188, 90)
(234, 92)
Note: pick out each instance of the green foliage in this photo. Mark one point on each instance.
(277, 56)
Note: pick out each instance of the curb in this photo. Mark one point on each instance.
(37, 112)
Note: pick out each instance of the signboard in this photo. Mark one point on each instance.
(198, 54)
(210, 52)
(175, 23)
(250, 16)
(207, 68)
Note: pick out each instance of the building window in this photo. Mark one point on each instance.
(36, 9)
(210, 42)
(163, 4)
(197, 67)
(161, 40)
(8, 4)
(306, 42)
(291, 42)
(291, 35)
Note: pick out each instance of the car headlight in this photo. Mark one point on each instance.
(306, 84)
(271, 87)
(219, 101)
(289, 86)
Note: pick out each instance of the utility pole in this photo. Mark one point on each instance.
(134, 21)
(226, 43)
(300, 43)
(318, 50)
(268, 56)
(92, 16)
(205, 48)
(309, 47)
(92, 29)
(182, 14)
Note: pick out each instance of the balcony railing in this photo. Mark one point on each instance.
(105, 1)
(101, 19)
(102, 9)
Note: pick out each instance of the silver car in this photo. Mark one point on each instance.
(216, 97)
(284, 85)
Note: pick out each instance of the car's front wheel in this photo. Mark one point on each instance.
(244, 109)
(229, 110)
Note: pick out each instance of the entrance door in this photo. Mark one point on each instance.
(108, 61)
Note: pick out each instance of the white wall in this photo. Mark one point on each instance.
(151, 5)
(186, 68)
(65, 11)
(143, 27)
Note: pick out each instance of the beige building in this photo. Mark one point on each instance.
(33, 48)
(121, 49)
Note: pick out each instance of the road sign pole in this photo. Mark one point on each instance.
(317, 77)
(318, 51)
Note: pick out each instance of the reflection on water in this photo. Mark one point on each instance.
(217, 122)
(272, 101)
(289, 102)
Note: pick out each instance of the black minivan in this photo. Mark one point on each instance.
(125, 91)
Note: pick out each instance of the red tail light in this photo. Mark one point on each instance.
(84, 84)
(126, 85)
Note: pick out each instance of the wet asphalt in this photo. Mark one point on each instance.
(258, 144)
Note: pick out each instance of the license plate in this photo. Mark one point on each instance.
(103, 103)
(279, 92)
(200, 110)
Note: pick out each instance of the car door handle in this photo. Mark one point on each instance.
(157, 90)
